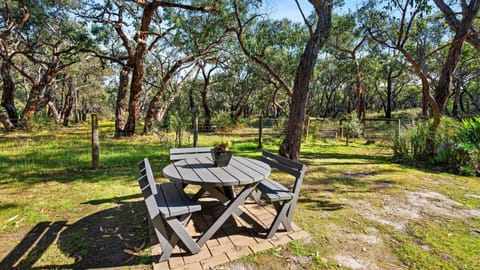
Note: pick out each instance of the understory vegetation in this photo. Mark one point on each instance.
(358, 206)
(457, 146)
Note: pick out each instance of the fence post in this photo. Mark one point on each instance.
(260, 132)
(95, 142)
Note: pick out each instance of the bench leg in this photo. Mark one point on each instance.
(281, 217)
(178, 229)
(161, 232)
(227, 212)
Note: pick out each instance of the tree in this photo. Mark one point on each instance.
(150, 28)
(463, 29)
(48, 42)
(349, 39)
(394, 31)
(290, 147)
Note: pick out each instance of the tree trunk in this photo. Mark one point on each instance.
(454, 54)
(206, 109)
(137, 74)
(34, 96)
(52, 105)
(388, 105)
(194, 118)
(359, 88)
(8, 95)
(456, 99)
(67, 107)
(290, 147)
(121, 103)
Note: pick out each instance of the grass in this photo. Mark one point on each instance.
(54, 207)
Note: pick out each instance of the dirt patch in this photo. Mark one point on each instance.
(368, 251)
(398, 211)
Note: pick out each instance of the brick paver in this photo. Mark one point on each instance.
(240, 236)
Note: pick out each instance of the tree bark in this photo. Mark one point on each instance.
(68, 105)
(454, 54)
(137, 74)
(290, 147)
(8, 95)
(121, 103)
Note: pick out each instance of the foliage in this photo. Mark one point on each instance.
(400, 148)
(419, 134)
(223, 121)
(352, 128)
(222, 145)
(457, 148)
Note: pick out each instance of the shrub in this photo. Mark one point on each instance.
(418, 139)
(469, 132)
(352, 128)
(400, 148)
(457, 146)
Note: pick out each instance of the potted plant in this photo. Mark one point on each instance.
(221, 153)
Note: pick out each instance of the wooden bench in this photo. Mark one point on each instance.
(169, 210)
(283, 199)
(193, 152)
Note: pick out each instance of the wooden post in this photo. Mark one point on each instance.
(308, 129)
(95, 142)
(195, 126)
(260, 132)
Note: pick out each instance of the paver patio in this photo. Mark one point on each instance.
(238, 237)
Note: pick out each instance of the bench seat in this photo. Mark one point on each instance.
(274, 191)
(172, 201)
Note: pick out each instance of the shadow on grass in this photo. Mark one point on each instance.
(109, 238)
(319, 204)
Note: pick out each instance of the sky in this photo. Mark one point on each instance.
(288, 9)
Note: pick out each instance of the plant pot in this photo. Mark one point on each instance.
(221, 158)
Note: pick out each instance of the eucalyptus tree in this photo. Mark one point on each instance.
(45, 42)
(395, 30)
(466, 84)
(464, 30)
(348, 39)
(139, 26)
(12, 17)
(318, 34)
(197, 38)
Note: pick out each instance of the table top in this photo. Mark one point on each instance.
(201, 171)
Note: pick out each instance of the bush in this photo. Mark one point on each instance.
(352, 128)
(457, 146)
(400, 148)
(418, 139)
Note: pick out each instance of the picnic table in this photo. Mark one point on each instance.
(217, 181)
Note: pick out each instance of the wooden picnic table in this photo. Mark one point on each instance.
(217, 181)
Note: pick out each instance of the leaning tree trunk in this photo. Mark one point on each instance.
(8, 96)
(290, 147)
(121, 103)
(34, 97)
(454, 54)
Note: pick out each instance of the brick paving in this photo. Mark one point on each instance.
(238, 237)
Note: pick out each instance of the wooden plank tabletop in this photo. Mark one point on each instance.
(201, 171)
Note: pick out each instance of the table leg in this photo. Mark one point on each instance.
(227, 212)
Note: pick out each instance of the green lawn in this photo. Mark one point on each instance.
(55, 212)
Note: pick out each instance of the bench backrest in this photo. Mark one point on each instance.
(192, 152)
(147, 176)
(294, 168)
